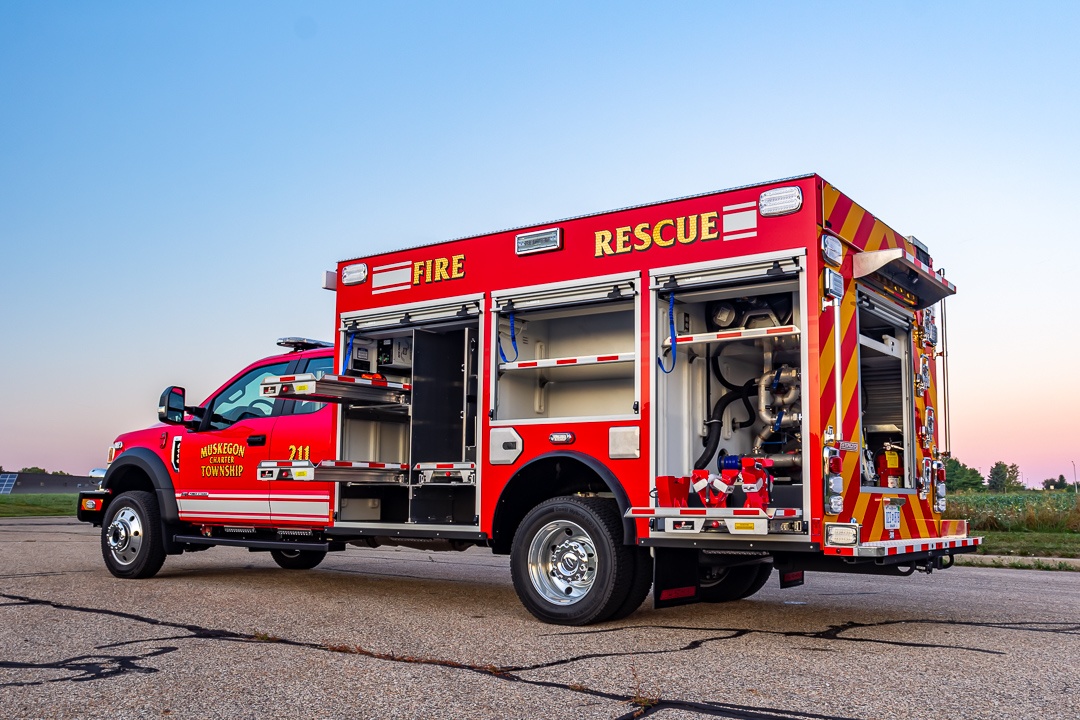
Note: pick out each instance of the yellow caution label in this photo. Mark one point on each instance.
(301, 388)
(892, 460)
(744, 526)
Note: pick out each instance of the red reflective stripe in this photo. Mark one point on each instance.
(606, 358)
(722, 336)
(675, 593)
(286, 378)
(644, 511)
(528, 363)
(693, 511)
(774, 331)
(566, 361)
(744, 512)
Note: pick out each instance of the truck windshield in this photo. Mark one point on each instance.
(241, 401)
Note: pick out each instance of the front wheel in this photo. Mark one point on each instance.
(297, 559)
(568, 563)
(131, 541)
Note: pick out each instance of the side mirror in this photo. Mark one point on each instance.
(171, 406)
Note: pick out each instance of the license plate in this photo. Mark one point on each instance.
(892, 517)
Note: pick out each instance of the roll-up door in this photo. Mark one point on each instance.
(620, 287)
(461, 308)
(763, 268)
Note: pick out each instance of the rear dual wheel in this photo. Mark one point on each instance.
(570, 567)
(733, 583)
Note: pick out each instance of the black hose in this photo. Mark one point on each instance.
(716, 421)
(720, 376)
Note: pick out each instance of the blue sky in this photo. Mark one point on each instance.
(175, 177)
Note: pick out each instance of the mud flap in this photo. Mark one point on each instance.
(791, 578)
(675, 577)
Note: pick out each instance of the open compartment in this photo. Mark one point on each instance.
(569, 361)
(886, 378)
(730, 397)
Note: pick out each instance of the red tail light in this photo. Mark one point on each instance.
(835, 464)
(941, 475)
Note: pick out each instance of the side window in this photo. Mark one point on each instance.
(318, 366)
(240, 400)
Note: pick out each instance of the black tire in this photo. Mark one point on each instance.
(131, 541)
(763, 574)
(297, 559)
(729, 584)
(584, 578)
(639, 586)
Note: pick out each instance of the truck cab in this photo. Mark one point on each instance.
(199, 465)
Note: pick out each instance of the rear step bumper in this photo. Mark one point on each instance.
(260, 544)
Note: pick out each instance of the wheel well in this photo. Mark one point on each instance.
(547, 477)
(130, 478)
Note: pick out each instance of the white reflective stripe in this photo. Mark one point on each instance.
(736, 222)
(383, 278)
(392, 266)
(321, 509)
(741, 206)
(223, 506)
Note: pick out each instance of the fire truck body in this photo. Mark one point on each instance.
(684, 394)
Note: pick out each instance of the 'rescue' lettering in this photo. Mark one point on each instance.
(665, 233)
(438, 269)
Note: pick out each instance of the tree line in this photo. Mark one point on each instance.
(1002, 478)
(35, 470)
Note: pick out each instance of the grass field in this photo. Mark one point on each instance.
(1041, 512)
(1029, 544)
(32, 504)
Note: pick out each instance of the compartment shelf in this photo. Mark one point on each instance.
(336, 389)
(335, 471)
(732, 335)
(577, 368)
(567, 361)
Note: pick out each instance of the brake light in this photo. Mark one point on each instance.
(836, 465)
(941, 475)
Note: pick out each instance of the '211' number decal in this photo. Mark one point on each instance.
(299, 452)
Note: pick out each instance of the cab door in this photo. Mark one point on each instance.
(303, 431)
(219, 462)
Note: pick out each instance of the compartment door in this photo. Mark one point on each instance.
(438, 395)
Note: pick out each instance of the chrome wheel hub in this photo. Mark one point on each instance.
(562, 562)
(125, 536)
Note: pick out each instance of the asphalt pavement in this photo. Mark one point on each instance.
(399, 633)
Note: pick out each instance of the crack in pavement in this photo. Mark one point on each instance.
(101, 666)
(835, 632)
(84, 668)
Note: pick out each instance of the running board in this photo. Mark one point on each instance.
(260, 544)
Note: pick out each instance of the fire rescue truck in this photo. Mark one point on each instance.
(686, 396)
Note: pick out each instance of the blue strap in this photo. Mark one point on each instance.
(513, 342)
(348, 355)
(671, 330)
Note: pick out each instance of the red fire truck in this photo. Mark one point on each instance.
(683, 396)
